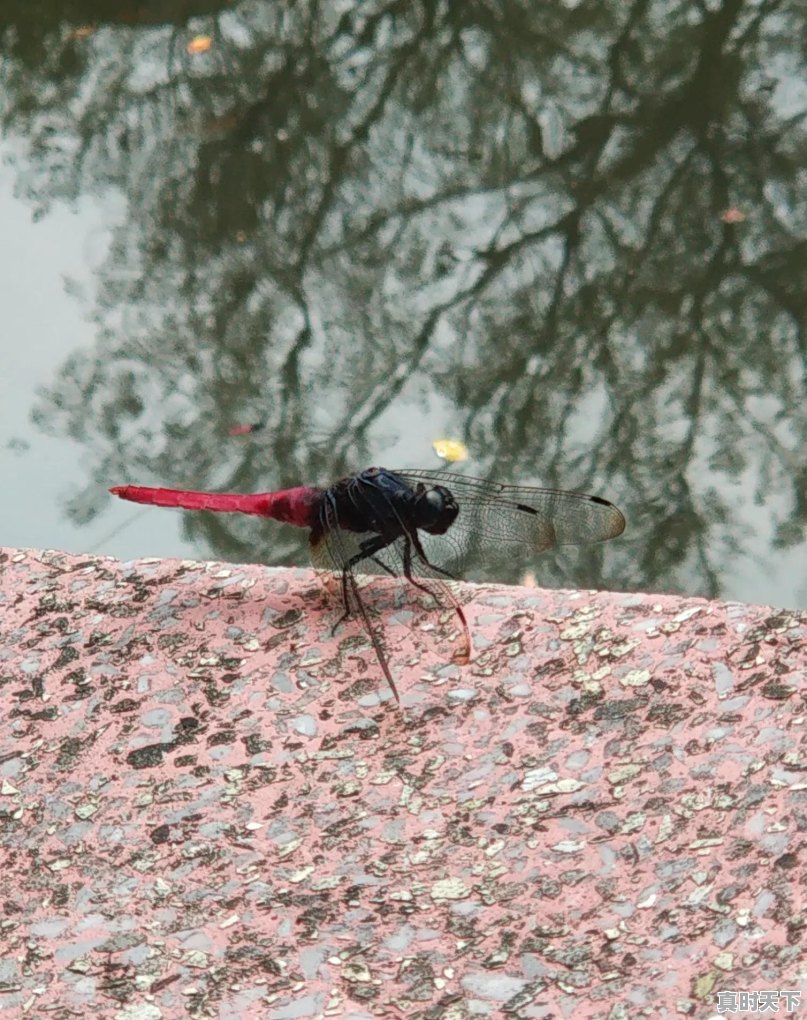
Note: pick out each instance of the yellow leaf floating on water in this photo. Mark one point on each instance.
(451, 450)
(199, 44)
(82, 32)
(732, 215)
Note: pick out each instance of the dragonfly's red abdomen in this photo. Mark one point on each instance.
(297, 506)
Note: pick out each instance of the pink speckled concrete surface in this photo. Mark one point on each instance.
(211, 807)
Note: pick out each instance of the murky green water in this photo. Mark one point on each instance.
(573, 235)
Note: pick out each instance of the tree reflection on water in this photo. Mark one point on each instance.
(579, 227)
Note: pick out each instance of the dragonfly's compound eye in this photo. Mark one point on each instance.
(436, 510)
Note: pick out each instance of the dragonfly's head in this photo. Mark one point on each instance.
(435, 508)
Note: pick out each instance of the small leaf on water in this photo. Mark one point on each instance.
(451, 450)
(732, 216)
(199, 44)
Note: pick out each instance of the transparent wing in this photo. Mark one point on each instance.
(493, 517)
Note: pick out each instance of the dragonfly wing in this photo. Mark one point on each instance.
(335, 548)
(533, 520)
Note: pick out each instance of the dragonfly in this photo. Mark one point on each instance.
(428, 527)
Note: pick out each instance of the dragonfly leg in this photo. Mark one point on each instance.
(419, 550)
(407, 566)
(379, 651)
(383, 565)
(463, 656)
(368, 548)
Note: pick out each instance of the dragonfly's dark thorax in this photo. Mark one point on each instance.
(380, 502)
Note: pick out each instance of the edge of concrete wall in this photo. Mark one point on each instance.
(212, 806)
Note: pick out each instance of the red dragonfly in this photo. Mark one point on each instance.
(423, 525)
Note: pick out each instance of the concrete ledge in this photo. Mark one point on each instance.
(211, 807)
